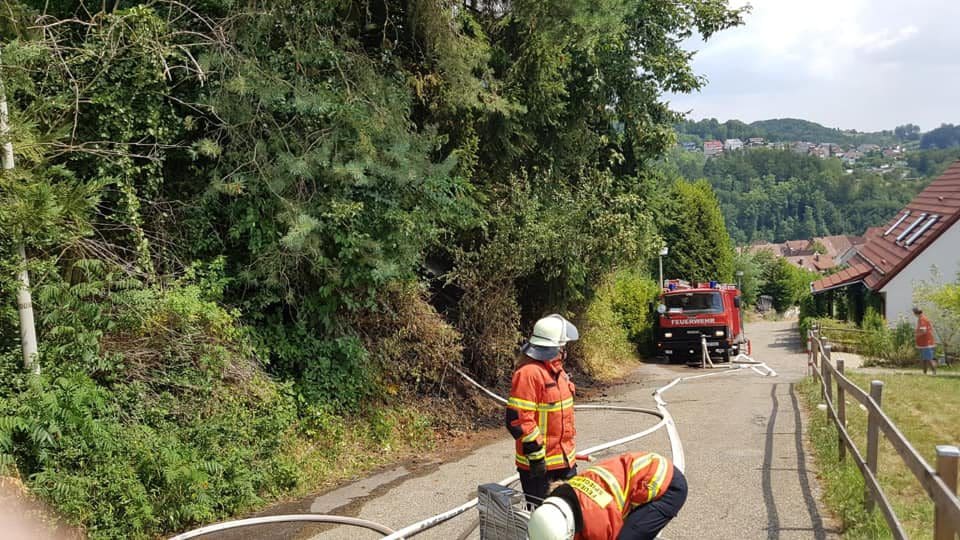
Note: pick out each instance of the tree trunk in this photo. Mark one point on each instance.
(28, 332)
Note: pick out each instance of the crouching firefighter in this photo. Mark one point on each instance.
(630, 497)
(539, 413)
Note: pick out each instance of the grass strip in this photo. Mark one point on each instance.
(924, 408)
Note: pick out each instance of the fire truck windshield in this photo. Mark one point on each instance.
(694, 302)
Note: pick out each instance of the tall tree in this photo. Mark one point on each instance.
(907, 132)
(28, 330)
(693, 228)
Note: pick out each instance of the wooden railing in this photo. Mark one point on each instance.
(847, 338)
(940, 484)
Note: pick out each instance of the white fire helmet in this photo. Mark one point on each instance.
(552, 520)
(553, 331)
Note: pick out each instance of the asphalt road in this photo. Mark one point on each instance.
(749, 472)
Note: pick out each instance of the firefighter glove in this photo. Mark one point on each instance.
(532, 448)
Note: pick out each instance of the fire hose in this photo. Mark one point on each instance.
(661, 412)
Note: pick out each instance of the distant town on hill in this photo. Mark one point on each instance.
(787, 180)
(797, 130)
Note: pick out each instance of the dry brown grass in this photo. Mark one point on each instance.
(409, 340)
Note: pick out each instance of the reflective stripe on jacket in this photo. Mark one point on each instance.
(539, 414)
(924, 332)
(610, 490)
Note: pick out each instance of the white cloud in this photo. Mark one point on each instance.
(864, 64)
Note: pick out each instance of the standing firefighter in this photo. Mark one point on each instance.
(630, 497)
(926, 343)
(539, 412)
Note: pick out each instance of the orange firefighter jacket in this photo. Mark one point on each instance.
(924, 333)
(540, 414)
(610, 490)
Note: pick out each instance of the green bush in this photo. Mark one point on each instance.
(149, 415)
(875, 342)
(904, 340)
(633, 294)
(618, 321)
(339, 374)
(127, 467)
(883, 345)
(786, 283)
(808, 313)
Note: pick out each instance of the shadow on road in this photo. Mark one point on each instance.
(787, 338)
(773, 519)
(769, 499)
(808, 498)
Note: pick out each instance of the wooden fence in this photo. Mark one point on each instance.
(847, 338)
(940, 484)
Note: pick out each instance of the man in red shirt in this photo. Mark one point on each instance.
(629, 497)
(925, 341)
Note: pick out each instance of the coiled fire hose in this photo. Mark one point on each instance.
(666, 421)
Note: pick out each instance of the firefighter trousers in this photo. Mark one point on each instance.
(535, 488)
(648, 520)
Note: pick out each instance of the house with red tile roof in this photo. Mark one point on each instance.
(922, 237)
(841, 248)
(712, 148)
(814, 262)
(820, 254)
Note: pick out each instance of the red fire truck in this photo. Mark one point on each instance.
(688, 313)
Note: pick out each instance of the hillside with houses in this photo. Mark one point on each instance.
(778, 191)
(893, 154)
(881, 152)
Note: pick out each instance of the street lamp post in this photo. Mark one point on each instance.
(663, 252)
(740, 281)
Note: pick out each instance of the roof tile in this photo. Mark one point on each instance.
(844, 277)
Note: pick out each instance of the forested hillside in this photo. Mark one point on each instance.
(945, 136)
(778, 195)
(255, 232)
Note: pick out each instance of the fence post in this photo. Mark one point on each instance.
(824, 347)
(873, 434)
(841, 413)
(826, 363)
(816, 352)
(947, 459)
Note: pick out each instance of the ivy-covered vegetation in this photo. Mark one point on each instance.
(257, 230)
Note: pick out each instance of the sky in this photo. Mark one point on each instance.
(853, 64)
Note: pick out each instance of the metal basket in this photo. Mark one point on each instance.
(503, 513)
